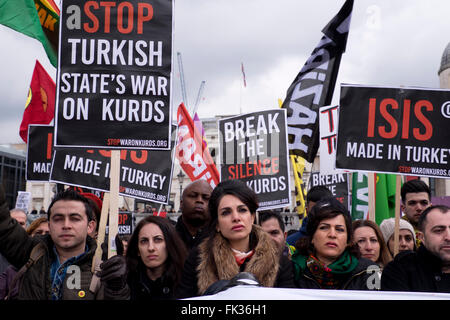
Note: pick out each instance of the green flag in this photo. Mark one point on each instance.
(360, 196)
(384, 197)
(23, 16)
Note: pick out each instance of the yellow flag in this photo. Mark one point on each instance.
(298, 166)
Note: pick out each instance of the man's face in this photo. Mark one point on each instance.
(21, 218)
(436, 235)
(415, 203)
(272, 227)
(194, 203)
(69, 226)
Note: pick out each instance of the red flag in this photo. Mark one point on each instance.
(199, 127)
(40, 105)
(194, 159)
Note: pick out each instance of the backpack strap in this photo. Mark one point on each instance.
(36, 253)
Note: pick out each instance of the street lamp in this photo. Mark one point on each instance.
(180, 177)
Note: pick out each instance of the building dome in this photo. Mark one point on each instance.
(445, 62)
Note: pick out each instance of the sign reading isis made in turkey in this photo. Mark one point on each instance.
(114, 74)
(144, 174)
(253, 149)
(394, 130)
(40, 152)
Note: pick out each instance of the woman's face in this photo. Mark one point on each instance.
(41, 230)
(152, 246)
(406, 241)
(368, 244)
(235, 222)
(330, 239)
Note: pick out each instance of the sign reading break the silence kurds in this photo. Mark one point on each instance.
(337, 183)
(398, 130)
(144, 174)
(114, 79)
(253, 148)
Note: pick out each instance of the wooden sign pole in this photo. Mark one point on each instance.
(95, 282)
(114, 202)
(398, 183)
(371, 184)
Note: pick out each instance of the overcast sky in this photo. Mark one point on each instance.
(391, 43)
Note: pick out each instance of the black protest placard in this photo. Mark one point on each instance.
(337, 183)
(114, 79)
(253, 148)
(394, 130)
(144, 174)
(125, 223)
(39, 153)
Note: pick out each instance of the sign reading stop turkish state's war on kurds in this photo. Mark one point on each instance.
(396, 130)
(40, 152)
(144, 174)
(253, 148)
(114, 79)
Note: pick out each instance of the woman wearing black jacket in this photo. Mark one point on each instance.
(327, 258)
(234, 245)
(153, 264)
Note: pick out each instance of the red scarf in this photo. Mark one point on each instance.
(242, 256)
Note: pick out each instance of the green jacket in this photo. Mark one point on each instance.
(16, 246)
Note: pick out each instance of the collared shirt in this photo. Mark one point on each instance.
(58, 272)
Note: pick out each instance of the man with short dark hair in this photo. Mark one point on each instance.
(416, 197)
(428, 268)
(194, 213)
(272, 223)
(62, 269)
(314, 194)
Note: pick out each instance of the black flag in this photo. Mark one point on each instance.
(314, 85)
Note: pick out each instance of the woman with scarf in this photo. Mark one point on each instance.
(235, 244)
(327, 258)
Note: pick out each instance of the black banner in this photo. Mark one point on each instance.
(337, 183)
(114, 79)
(314, 85)
(144, 174)
(397, 130)
(39, 153)
(125, 224)
(253, 148)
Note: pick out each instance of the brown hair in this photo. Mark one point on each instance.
(385, 255)
(35, 224)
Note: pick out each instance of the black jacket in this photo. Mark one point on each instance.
(358, 279)
(186, 236)
(415, 271)
(143, 288)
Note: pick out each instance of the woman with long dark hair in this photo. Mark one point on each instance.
(154, 263)
(235, 244)
(327, 258)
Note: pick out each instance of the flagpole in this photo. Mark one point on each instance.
(371, 184)
(398, 183)
(240, 99)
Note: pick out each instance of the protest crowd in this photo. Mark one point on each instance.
(216, 239)
(230, 231)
